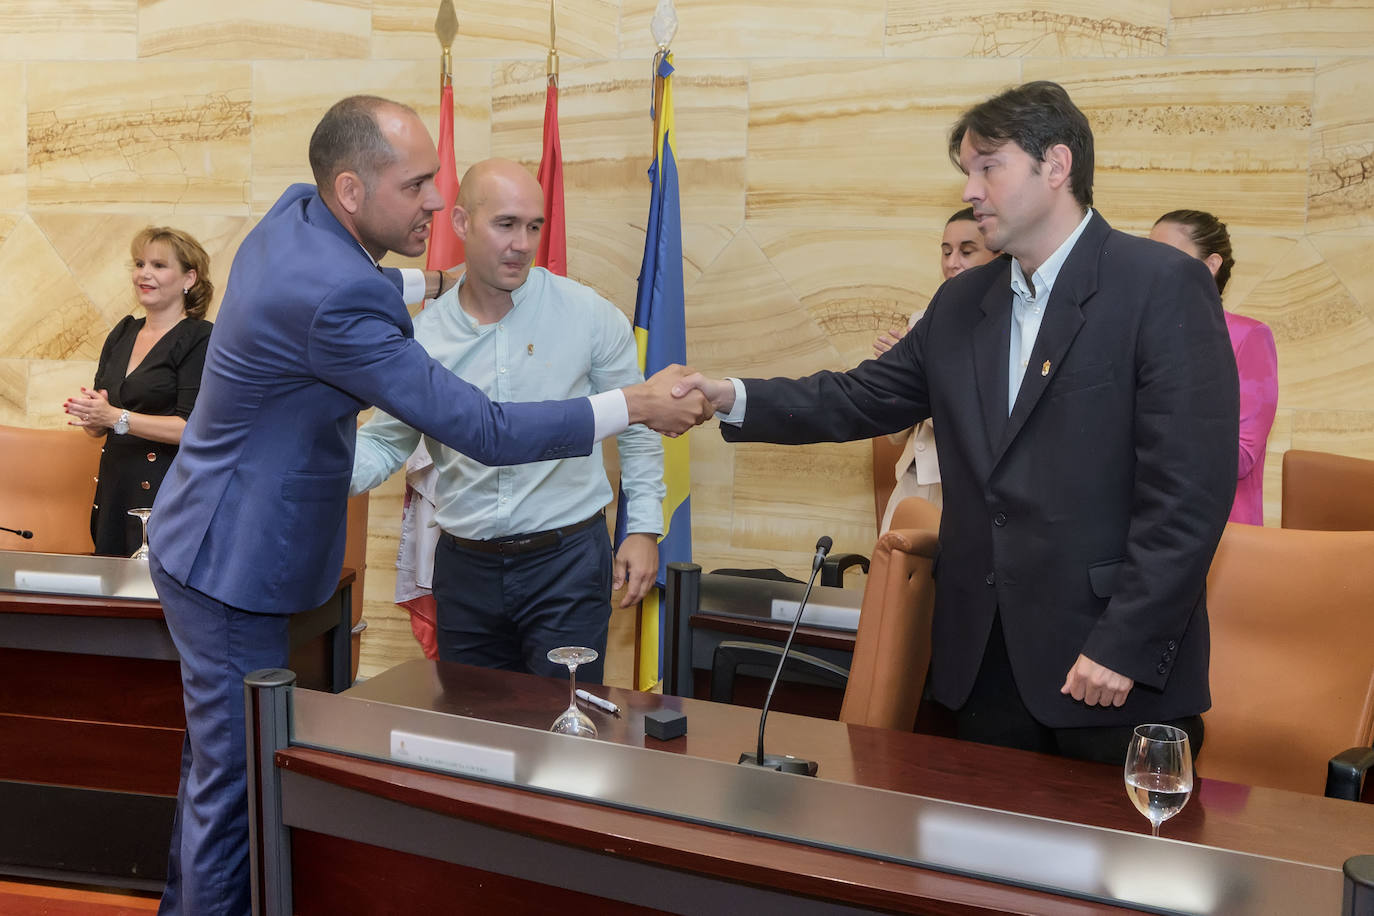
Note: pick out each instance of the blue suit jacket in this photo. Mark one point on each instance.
(252, 510)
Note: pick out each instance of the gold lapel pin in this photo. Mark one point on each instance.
(529, 348)
(1045, 368)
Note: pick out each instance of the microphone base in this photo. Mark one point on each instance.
(783, 763)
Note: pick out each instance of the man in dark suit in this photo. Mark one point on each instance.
(1087, 405)
(249, 526)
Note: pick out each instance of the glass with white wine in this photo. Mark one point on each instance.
(1159, 772)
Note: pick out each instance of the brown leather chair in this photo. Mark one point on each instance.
(47, 488)
(883, 685)
(1292, 670)
(1324, 492)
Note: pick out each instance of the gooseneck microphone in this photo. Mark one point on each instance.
(23, 533)
(783, 762)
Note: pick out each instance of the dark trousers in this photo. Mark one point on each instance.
(508, 612)
(995, 714)
(207, 867)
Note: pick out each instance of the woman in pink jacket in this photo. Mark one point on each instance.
(1205, 237)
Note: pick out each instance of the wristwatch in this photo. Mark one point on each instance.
(122, 424)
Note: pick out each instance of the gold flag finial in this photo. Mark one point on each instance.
(446, 28)
(551, 65)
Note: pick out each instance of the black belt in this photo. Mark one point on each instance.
(517, 544)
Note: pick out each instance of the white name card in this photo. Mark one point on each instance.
(444, 754)
(28, 580)
(818, 615)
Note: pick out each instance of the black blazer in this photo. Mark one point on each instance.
(1089, 516)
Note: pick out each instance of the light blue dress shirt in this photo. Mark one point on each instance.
(561, 340)
(1028, 308)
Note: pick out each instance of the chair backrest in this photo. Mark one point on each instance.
(885, 455)
(892, 645)
(47, 487)
(1324, 492)
(1292, 674)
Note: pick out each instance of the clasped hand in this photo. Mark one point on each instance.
(91, 410)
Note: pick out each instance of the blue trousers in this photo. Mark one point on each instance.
(207, 866)
(508, 612)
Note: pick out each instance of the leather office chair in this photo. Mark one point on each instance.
(1292, 671)
(892, 645)
(47, 488)
(1324, 492)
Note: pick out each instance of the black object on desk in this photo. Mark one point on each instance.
(665, 724)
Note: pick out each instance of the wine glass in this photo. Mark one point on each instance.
(142, 515)
(1159, 772)
(573, 721)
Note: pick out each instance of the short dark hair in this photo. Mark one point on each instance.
(1209, 235)
(1035, 116)
(964, 215)
(348, 138)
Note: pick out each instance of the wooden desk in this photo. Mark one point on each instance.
(91, 728)
(334, 870)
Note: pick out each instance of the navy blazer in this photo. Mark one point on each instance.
(1089, 516)
(310, 331)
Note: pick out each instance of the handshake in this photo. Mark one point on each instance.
(676, 398)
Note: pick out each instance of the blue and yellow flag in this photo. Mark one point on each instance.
(661, 332)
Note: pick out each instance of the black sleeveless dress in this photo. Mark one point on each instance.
(131, 468)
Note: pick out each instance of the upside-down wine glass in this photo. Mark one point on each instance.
(573, 721)
(1159, 772)
(142, 515)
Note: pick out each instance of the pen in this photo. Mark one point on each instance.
(598, 702)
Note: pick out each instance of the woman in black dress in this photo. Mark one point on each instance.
(146, 383)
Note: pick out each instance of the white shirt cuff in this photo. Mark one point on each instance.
(736, 415)
(412, 285)
(610, 414)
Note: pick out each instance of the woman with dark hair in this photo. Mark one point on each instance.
(1203, 236)
(146, 383)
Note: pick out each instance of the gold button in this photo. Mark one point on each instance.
(152, 456)
(145, 485)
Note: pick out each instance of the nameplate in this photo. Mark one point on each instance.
(819, 615)
(456, 756)
(27, 580)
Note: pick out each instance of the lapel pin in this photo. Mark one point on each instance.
(529, 348)
(1045, 368)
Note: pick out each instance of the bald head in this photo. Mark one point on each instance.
(496, 181)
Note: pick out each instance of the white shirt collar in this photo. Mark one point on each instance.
(1044, 275)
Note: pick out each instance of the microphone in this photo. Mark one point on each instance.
(23, 533)
(783, 762)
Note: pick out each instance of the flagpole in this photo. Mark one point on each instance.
(446, 29)
(551, 63)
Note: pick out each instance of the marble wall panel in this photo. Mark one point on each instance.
(46, 315)
(516, 29)
(1280, 441)
(1229, 135)
(860, 143)
(14, 391)
(1348, 258)
(607, 136)
(69, 30)
(254, 29)
(112, 136)
(290, 97)
(1282, 26)
(50, 383)
(855, 283)
(95, 248)
(13, 139)
(1325, 339)
(1065, 28)
(760, 28)
(1255, 257)
(1344, 432)
(1341, 187)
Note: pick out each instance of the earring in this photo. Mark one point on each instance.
(186, 291)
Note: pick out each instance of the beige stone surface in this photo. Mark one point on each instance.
(1341, 188)
(1287, 27)
(248, 29)
(1027, 29)
(69, 30)
(1197, 133)
(129, 135)
(607, 136)
(14, 391)
(859, 142)
(1345, 432)
(46, 314)
(13, 139)
(50, 383)
(516, 29)
(760, 28)
(290, 97)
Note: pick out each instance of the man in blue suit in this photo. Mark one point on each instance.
(249, 525)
